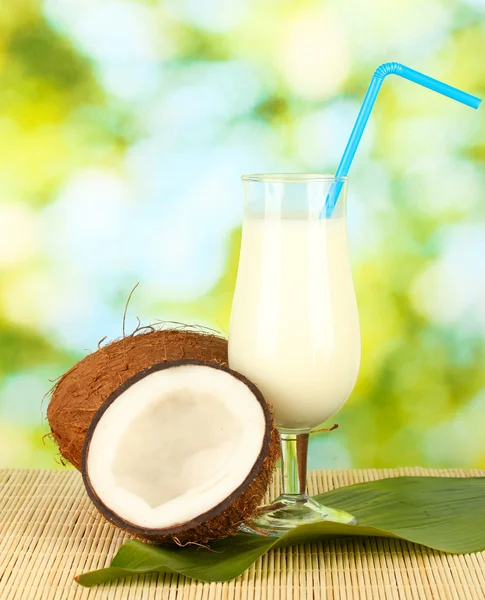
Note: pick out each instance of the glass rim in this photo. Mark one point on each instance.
(292, 178)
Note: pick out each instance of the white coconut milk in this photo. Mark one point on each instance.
(294, 323)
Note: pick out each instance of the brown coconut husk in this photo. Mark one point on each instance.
(80, 392)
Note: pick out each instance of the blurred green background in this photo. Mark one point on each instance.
(124, 128)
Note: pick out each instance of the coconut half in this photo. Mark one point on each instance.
(182, 451)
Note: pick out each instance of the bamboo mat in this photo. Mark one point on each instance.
(49, 532)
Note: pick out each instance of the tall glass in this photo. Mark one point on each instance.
(294, 324)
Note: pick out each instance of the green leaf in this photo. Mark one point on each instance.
(446, 514)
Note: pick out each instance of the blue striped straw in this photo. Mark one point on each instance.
(390, 68)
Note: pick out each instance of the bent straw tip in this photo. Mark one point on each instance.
(476, 103)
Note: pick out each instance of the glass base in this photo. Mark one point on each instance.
(289, 511)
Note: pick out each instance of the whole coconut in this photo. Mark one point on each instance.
(81, 391)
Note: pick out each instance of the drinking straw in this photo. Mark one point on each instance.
(390, 68)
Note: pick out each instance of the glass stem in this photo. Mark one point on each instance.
(294, 454)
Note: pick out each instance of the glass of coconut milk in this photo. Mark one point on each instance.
(294, 324)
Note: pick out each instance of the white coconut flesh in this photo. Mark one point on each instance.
(174, 445)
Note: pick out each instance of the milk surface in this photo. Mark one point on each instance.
(294, 324)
